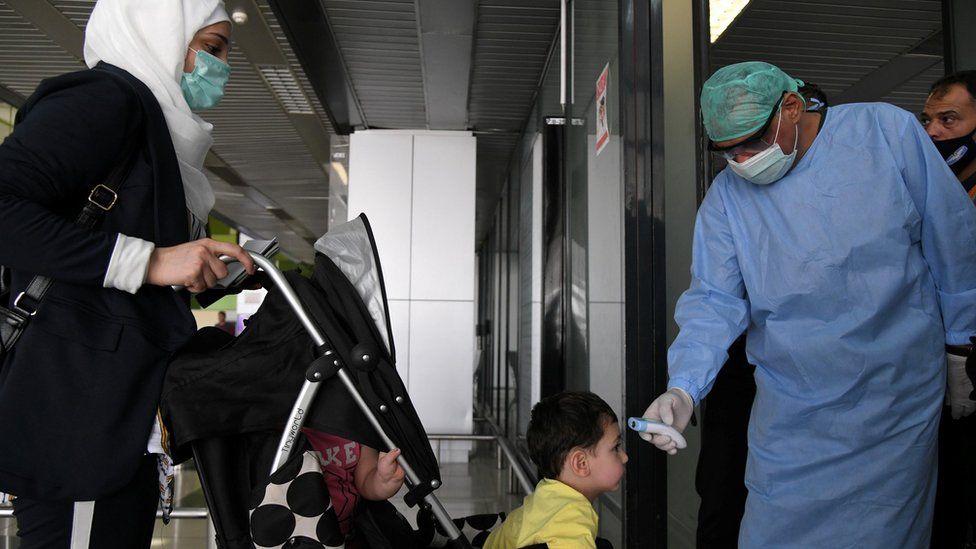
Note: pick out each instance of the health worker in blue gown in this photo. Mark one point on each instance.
(845, 245)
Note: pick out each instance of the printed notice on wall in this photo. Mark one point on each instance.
(602, 128)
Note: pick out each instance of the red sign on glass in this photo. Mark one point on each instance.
(602, 127)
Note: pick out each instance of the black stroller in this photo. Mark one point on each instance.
(328, 339)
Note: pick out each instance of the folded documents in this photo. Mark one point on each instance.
(235, 271)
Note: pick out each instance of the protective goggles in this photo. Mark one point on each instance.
(755, 144)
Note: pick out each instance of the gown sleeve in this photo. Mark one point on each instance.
(713, 311)
(948, 228)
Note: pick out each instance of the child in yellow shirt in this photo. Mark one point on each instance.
(574, 440)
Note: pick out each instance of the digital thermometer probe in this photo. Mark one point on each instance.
(644, 425)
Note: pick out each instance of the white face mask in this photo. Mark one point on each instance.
(769, 165)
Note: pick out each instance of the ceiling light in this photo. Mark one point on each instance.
(721, 13)
(340, 171)
(239, 16)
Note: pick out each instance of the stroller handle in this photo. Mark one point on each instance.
(310, 388)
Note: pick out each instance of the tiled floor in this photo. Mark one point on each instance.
(469, 488)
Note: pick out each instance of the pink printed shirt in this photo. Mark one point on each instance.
(339, 458)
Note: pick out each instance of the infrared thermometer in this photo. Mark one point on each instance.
(644, 425)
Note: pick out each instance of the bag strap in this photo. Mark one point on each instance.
(101, 199)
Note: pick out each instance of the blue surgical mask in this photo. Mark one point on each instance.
(769, 165)
(204, 87)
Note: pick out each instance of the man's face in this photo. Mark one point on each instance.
(949, 116)
(781, 130)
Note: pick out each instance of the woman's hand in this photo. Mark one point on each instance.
(194, 265)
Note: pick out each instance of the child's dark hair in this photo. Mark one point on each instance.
(561, 422)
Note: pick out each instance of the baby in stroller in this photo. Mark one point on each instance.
(354, 471)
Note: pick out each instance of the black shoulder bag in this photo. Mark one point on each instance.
(101, 199)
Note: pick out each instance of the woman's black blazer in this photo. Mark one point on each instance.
(79, 391)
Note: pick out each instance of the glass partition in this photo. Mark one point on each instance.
(551, 294)
(595, 361)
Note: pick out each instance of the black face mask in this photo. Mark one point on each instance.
(958, 152)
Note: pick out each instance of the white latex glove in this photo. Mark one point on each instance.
(673, 408)
(960, 386)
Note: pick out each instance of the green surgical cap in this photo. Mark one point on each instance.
(738, 99)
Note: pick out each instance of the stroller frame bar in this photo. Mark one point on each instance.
(309, 389)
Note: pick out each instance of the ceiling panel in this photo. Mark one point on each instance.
(512, 42)
(296, 67)
(836, 43)
(75, 10)
(911, 95)
(27, 56)
(381, 49)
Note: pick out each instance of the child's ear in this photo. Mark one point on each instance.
(579, 462)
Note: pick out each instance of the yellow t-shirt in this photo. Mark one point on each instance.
(555, 514)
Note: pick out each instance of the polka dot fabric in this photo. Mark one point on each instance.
(294, 510)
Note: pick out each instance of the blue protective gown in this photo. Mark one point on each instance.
(850, 273)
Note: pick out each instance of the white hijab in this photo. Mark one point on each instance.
(149, 39)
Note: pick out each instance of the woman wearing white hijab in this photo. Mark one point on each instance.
(78, 392)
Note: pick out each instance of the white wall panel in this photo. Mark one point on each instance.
(441, 364)
(443, 217)
(606, 353)
(604, 224)
(380, 171)
(418, 189)
(537, 220)
(400, 324)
